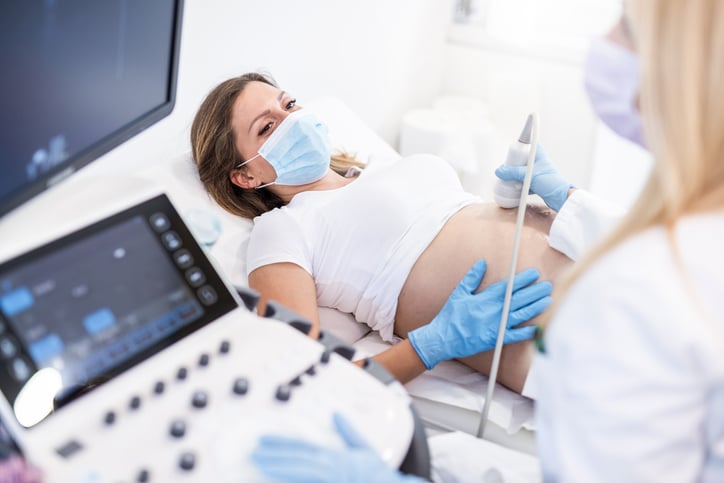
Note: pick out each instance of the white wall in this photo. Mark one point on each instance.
(380, 57)
(520, 56)
(514, 83)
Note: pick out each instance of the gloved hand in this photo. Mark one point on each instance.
(546, 181)
(468, 323)
(291, 459)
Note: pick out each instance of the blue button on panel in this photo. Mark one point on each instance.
(99, 320)
(189, 311)
(166, 322)
(141, 337)
(47, 347)
(16, 301)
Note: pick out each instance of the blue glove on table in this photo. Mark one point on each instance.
(290, 459)
(546, 181)
(468, 322)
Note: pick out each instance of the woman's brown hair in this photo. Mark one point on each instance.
(215, 154)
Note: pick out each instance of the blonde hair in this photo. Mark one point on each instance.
(215, 154)
(680, 45)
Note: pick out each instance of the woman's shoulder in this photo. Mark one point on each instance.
(276, 236)
(270, 217)
(277, 220)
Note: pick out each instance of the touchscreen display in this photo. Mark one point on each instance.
(102, 301)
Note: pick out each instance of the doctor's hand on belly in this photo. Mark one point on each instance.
(468, 322)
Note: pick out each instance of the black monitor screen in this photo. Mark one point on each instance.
(78, 78)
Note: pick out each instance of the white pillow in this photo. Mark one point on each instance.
(350, 134)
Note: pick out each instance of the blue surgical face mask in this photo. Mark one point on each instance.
(298, 150)
(611, 75)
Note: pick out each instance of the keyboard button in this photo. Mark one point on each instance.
(241, 386)
(284, 392)
(187, 461)
(199, 400)
(183, 258)
(159, 222)
(178, 428)
(207, 295)
(171, 240)
(195, 277)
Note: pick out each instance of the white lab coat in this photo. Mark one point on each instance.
(581, 222)
(631, 386)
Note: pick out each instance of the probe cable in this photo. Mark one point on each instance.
(533, 121)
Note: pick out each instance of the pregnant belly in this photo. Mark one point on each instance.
(477, 231)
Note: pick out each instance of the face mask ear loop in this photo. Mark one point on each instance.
(252, 159)
(264, 185)
(248, 160)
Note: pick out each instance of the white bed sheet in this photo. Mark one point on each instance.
(448, 398)
(460, 458)
(451, 396)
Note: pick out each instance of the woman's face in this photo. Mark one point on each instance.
(256, 113)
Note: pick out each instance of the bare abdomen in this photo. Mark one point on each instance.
(479, 231)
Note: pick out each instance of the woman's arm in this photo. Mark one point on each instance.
(401, 361)
(466, 325)
(292, 286)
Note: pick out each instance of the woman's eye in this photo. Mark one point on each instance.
(265, 129)
(291, 104)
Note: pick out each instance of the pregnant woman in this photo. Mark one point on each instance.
(390, 245)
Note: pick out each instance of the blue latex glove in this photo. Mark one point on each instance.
(290, 459)
(546, 181)
(468, 322)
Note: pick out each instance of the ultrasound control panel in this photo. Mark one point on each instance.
(98, 301)
(125, 357)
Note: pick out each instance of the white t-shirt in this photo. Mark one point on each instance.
(360, 242)
(631, 387)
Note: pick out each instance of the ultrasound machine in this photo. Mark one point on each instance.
(125, 354)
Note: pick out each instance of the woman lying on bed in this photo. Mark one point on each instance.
(388, 245)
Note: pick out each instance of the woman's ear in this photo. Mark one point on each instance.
(242, 178)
